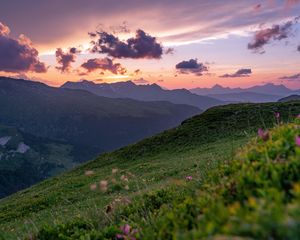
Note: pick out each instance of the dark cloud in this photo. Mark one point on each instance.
(137, 72)
(169, 51)
(257, 7)
(141, 46)
(65, 59)
(18, 55)
(244, 72)
(191, 66)
(291, 78)
(298, 48)
(104, 64)
(275, 33)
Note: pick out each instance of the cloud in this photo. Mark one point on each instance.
(18, 55)
(257, 7)
(169, 51)
(244, 72)
(65, 59)
(275, 33)
(141, 81)
(291, 78)
(137, 72)
(292, 2)
(203, 19)
(298, 48)
(141, 46)
(104, 64)
(191, 66)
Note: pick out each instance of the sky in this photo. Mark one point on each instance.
(174, 43)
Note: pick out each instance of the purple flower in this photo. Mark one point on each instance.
(298, 141)
(298, 116)
(127, 233)
(126, 229)
(264, 135)
(277, 115)
(189, 178)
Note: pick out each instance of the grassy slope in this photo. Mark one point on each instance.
(194, 148)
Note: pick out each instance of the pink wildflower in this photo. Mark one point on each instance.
(264, 135)
(298, 141)
(93, 186)
(103, 185)
(127, 233)
(189, 178)
(89, 173)
(298, 116)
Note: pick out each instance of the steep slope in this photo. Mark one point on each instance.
(26, 159)
(194, 148)
(290, 98)
(84, 124)
(151, 92)
(82, 118)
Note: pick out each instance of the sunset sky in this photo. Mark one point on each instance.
(174, 43)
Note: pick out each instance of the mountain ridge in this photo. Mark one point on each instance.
(78, 124)
(149, 92)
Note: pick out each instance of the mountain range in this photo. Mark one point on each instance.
(149, 92)
(262, 93)
(72, 125)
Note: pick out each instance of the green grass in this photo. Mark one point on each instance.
(198, 147)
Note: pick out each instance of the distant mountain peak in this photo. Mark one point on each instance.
(217, 86)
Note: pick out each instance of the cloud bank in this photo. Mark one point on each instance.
(65, 59)
(275, 33)
(291, 78)
(103, 64)
(244, 72)
(141, 46)
(191, 66)
(18, 55)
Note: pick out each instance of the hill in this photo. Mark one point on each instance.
(148, 92)
(26, 159)
(250, 97)
(83, 124)
(262, 93)
(124, 186)
(290, 98)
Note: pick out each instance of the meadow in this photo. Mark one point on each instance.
(199, 180)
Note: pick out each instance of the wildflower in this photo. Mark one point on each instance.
(114, 170)
(103, 185)
(124, 178)
(298, 141)
(126, 187)
(277, 117)
(189, 178)
(298, 116)
(264, 135)
(113, 180)
(89, 173)
(127, 233)
(93, 186)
